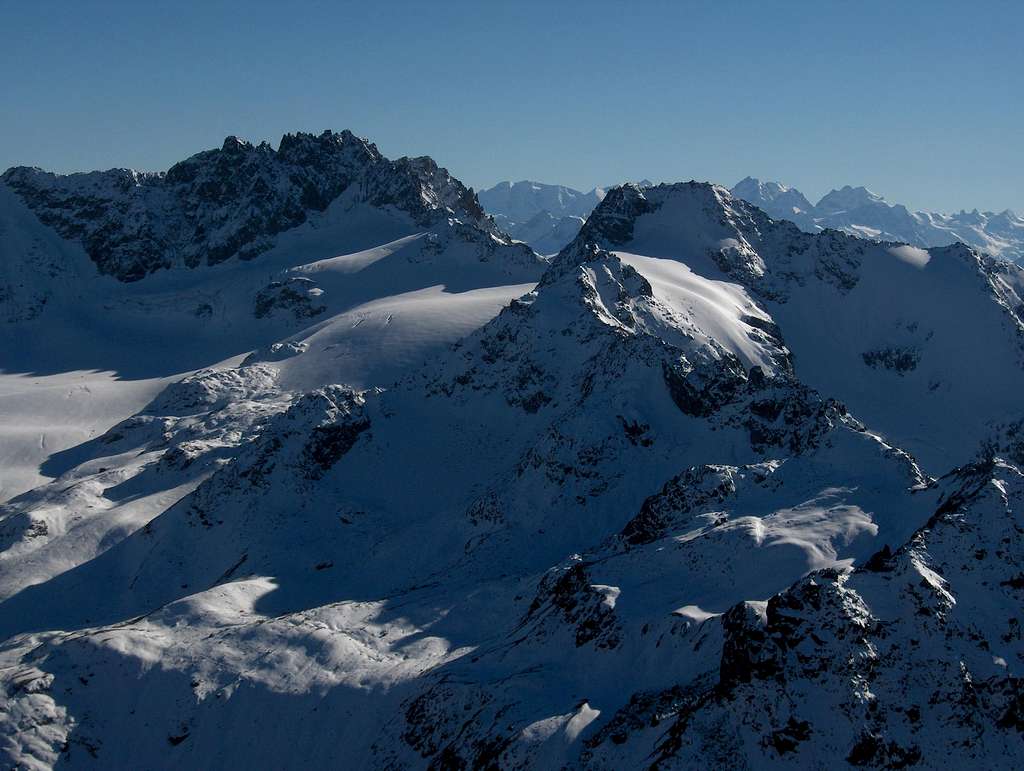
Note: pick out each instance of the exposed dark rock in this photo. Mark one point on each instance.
(701, 392)
(682, 494)
(298, 296)
(899, 360)
(329, 443)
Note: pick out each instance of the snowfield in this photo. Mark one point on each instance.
(383, 488)
(41, 416)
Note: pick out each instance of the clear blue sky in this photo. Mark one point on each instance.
(920, 101)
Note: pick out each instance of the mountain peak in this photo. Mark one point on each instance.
(235, 144)
(775, 199)
(770, 190)
(865, 214)
(848, 198)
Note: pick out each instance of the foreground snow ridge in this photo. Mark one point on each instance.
(389, 490)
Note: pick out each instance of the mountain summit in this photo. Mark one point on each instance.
(322, 244)
(848, 199)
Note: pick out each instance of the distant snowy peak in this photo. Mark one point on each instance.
(233, 201)
(519, 202)
(772, 195)
(547, 217)
(546, 233)
(860, 212)
(847, 199)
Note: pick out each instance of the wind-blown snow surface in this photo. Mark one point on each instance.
(659, 510)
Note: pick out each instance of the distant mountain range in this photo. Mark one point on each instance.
(860, 212)
(544, 216)
(521, 201)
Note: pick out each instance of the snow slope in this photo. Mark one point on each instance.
(42, 416)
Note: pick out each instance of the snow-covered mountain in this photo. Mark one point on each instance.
(544, 232)
(231, 202)
(858, 211)
(707, 491)
(779, 201)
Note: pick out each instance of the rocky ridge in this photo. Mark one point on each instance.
(231, 202)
